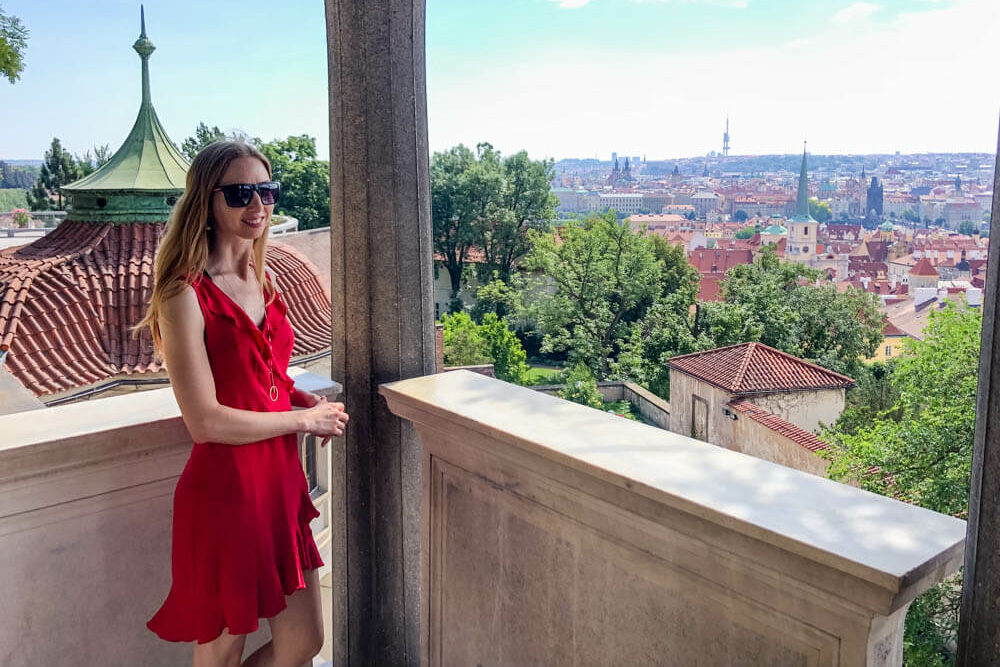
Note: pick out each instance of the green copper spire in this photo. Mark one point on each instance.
(136, 183)
(145, 49)
(802, 202)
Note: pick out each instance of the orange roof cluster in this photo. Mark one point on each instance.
(778, 425)
(755, 368)
(70, 299)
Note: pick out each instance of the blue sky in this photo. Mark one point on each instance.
(560, 78)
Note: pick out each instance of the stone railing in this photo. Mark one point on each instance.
(557, 534)
(86, 495)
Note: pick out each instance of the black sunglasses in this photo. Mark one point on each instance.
(239, 195)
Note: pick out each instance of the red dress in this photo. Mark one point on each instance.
(241, 536)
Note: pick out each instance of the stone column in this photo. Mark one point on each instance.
(979, 626)
(382, 319)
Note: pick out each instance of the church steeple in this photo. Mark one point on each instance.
(144, 177)
(802, 198)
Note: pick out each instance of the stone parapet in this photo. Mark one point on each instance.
(86, 492)
(557, 534)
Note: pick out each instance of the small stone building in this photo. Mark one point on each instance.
(757, 400)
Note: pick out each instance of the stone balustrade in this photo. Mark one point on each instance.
(86, 495)
(557, 534)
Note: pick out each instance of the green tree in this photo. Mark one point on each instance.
(464, 344)
(467, 343)
(305, 180)
(505, 350)
(910, 215)
(13, 44)
(740, 216)
(203, 136)
(746, 233)
(920, 451)
(820, 210)
(581, 387)
(59, 168)
(604, 277)
(524, 204)
(968, 227)
(465, 188)
(777, 303)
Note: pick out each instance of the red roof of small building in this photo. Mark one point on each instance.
(754, 368)
(891, 330)
(923, 268)
(778, 425)
(69, 300)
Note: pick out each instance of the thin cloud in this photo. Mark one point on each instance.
(855, 12)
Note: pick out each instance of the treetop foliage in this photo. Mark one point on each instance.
(13, 44)
(483, 202)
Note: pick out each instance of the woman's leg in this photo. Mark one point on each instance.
(297, 632)
(225, 651)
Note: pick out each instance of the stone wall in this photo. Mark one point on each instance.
(86, 497)
(559, 535)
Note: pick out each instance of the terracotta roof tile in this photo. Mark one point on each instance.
(69, 300)
(779, 425)
(755, 368)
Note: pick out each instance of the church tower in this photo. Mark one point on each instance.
(802, 228)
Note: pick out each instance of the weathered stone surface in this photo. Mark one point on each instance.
(382, 317)
(86, 497)
(558, 534)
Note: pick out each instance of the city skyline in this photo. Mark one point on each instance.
(558, 78)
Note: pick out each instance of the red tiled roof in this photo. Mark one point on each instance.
(710, 287)
(890, 329)
(923, 268)
(718, 261)
(69, 300)
(309, 312)
(778, 425)
(752, 368)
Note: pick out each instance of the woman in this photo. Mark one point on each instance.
(242, 547)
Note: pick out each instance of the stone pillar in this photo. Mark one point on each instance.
(979, 626)
(383, 329)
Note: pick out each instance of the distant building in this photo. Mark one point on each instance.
(757, 400)
(803, 230)
(874, 200)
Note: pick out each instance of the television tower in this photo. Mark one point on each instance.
(725, 138)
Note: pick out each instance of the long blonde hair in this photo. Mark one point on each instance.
(183, 251)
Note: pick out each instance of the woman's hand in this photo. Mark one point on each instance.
(326, 419)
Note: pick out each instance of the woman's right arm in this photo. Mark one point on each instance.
(182, 331)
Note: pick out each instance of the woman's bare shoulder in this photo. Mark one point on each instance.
(182, 306)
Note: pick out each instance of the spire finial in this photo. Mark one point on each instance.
(144, 48)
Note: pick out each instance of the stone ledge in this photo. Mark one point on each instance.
(878, 540)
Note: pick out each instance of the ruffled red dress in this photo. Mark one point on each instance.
(241, 536)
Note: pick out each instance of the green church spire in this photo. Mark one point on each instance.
(802, 201)
(144, 177)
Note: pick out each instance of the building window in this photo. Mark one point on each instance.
(888, 350)
(805, 231)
